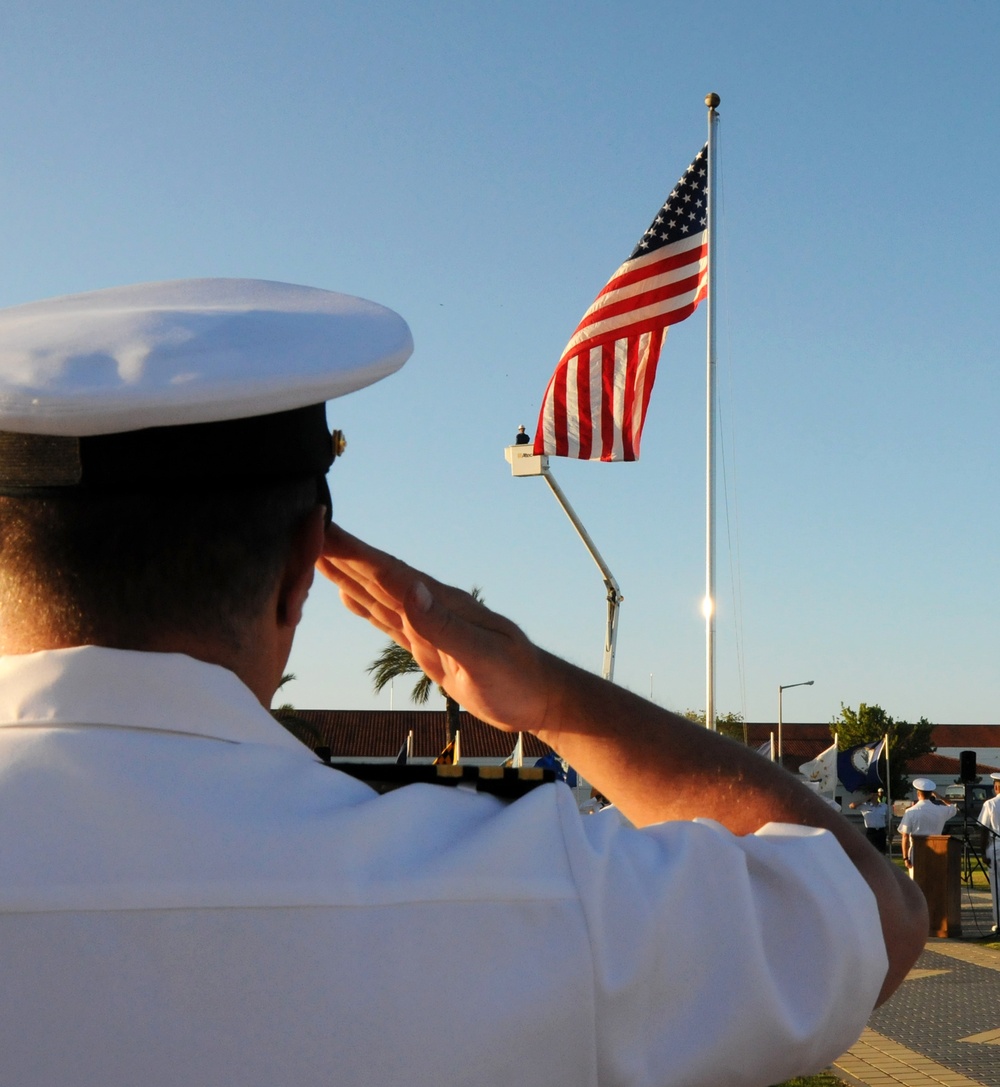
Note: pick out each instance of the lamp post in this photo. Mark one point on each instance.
(785, 687)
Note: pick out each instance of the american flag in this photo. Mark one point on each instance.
(595, 405)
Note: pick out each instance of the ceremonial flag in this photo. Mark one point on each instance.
(857, 767)
(560, 767)
(595, 405)
(516, 760)
(451, 755)
(406, 750)
(822, 770)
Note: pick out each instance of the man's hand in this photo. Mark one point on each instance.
(482, 660)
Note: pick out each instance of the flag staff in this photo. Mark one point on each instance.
(712, 101)
(888, 795)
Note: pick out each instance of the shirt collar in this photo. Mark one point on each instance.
(90, 685)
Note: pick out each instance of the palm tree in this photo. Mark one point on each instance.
(285, 715)
(395, 661)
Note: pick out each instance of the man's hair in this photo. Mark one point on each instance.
(125, 569)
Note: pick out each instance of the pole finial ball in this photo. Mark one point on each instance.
(712, 100)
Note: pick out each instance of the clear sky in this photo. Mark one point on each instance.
(483, 169)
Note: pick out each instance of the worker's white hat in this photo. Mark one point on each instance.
(169, 363)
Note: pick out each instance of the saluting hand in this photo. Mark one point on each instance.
(482, 660)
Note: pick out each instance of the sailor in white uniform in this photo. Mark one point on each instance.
(989, 820)
(926, 818)
(188, 895)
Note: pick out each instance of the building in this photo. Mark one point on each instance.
(380, 735)
(802, 742)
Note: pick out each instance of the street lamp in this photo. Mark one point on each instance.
(785, 687)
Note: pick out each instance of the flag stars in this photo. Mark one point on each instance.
(682, 213)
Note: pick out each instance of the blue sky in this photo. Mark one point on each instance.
(483, 170)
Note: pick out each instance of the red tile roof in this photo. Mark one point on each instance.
(379, 734)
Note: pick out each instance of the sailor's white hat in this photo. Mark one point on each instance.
(107, 377)
(924, 785)
(996, 777)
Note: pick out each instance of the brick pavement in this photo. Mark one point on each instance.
(942, 1026)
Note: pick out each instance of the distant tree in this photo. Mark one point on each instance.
(395, 661)
(729, 724)
(286, 715)
(868, 724)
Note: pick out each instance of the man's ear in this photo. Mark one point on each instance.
(307, 545)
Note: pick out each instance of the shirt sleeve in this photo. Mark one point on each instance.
(725, 959)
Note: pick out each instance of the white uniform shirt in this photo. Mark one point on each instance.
(188, 896)
(926, 818)
(989, 817)
(874, 814)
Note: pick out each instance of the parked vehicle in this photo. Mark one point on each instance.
(956, 794)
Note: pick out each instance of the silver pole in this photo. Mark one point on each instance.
(712, 101)
(888, 794)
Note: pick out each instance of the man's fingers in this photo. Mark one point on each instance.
(481, 658)
(364, 563)
(391, 629)
(360, 601)
(375, 577)
(372, 567)
(377, 586)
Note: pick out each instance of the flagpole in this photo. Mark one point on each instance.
(712, 101)
(836, 745)
(888, 794)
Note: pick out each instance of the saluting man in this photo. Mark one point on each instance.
(188, 895)
(923, 819)
(875, 813)
(989, 818)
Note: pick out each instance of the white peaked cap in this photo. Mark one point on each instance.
(924, 785)
(187, 351)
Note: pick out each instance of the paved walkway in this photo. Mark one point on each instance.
(942, 1026)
